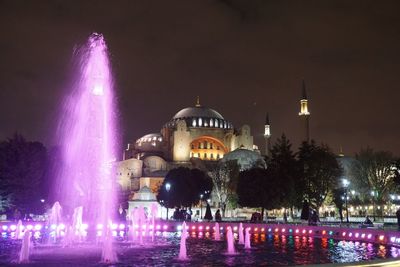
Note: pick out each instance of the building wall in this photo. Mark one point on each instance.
(126, 170)
(181, 148)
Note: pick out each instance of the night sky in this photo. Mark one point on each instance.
(243, 58)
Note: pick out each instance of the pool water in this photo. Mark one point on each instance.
(202, 250)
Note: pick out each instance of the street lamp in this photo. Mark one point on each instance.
(346, 185)
(167, 187)
(201, 206)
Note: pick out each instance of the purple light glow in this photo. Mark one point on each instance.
(86, 134)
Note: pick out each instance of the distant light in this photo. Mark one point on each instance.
(42, 200)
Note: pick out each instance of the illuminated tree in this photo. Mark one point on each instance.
(225, 177)
(374, 173)
(320, 172)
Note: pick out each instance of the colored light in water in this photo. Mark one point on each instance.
(207, 227)
(276, 229)
(290, 230)
(4, 227)
(114, 233)
(392, 239)
(304, 231)
(256, 229)
(269, 229)
(310, 231)
(200, 227)
(330, 232)
(357, 235)
(350, 234)
(53, 227)
(38, 227)
(235, 228)
(165, 227)
(262, 229)
(362, 235)
(122, 226)
(283, 230)
(297, 231)
(62, 226)
(179, 228)
(99, 226)
(344, 234)
(193, 227)
(114, 226)
(323, 232)
(369, 236)
(381, 237)
(29, 227)
(84, 226)
(158, 227)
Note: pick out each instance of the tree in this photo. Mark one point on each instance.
(22, 168)
(225, 178)
(186, 186)
(320, 171)
(374, 172)
(258, 188)
(284, 166)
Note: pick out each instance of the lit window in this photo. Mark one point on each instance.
(211, 145)
(221, 125)
(211, 123)
(216, 123)
(217, 156)
(225, 124)
(212, 155)
(200, 122)
(194, 123)
(205, 155)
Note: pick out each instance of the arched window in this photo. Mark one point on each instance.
(211, 123)
(200, 122)
(194, 123)
(205, 144)
(216, 123)
(205, 155)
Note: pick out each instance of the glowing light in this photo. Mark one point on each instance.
(179, 228)
(304, 231)
(98, 90)
(369, 236)
(4, 227)
(53, 227)
(235, 228)
(362, 235)
(357, 235)
(200, 227)
(122, 226)
(310, 231)
(256, 229)
(29, 227)
(165, 227)
(276, 229)
(269, 229)
(13, 227)
(99, 226)
(283, 230)
(350, 234)
(84, 226)
(323, 232)
(193, 227)
(207, 227)
(344, 234)
(158, 227)
(297, 231)
(381, 237)
(262, 229)
(62, 226)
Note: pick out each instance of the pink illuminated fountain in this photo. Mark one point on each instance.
(241, 238)
(87, 135)
(26, 244)
(230, 242)
(182, 248)
(217, 235)
(247, 239)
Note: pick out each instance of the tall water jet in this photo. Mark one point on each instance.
(217, 235)
(247, 239)
(18, 230)
(86, 135)
(182, 248)
(26, 244)
(230, 241)
(241, 237)
(54, 221)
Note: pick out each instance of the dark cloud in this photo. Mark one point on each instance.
(231, 53)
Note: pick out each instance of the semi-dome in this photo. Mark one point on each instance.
(245, 158)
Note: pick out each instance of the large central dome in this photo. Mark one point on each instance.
(197, 112)
(199, 116)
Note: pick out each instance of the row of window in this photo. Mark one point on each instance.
(205, 145)
(217, 123)
(205, 156)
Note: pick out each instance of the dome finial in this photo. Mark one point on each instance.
(198, 102)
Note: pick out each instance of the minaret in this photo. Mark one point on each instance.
(198, 102)
(305, 114)
(267, 136)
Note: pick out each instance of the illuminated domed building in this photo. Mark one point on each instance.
(194, 136)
